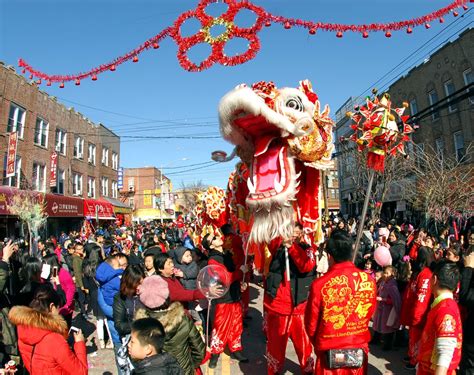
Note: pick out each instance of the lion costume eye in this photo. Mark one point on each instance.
(295, 103)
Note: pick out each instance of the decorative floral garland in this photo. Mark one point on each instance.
(232, 31)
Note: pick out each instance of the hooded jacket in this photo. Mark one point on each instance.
(190, 270)
(109, 281)
(183, 341)
(43, 346)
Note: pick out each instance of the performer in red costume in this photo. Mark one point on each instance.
(228, 325)
(285, 303)
(416, 302)
(441, 341)
(339, 308)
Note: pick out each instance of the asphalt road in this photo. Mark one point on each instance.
(101, 362)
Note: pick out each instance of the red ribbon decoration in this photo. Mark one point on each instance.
(217, 55)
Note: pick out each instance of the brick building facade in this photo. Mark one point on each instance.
(88, 153)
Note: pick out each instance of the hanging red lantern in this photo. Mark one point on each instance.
(455, 14)
(441, 20)
(287, 25)
(38, 82)
(77, 83)
(312, 31)
(31, 76)
(94, 77)
(156, 45)
(48, 83)
(388, 34)
(339, 34)
(61, 86)
(465, 7)
(365, 34)
(268, 23)
(112, 68)
(427, 25)
(135, 58)
(409, 30)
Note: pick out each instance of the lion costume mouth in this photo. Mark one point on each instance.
(272, 167)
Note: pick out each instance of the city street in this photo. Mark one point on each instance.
(380, 362)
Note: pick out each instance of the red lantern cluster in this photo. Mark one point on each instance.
(217, 44)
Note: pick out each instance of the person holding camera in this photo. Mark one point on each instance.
(42, 334)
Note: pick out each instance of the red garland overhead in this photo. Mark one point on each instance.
(232, 31)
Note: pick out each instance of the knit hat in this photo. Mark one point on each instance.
(153, 292)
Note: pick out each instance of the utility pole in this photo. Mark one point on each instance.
(161, 194)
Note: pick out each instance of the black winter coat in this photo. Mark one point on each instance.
(183, 341)
(466, 298)
(124, 309)
(159, 364)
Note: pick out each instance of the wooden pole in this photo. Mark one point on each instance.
(364, 213)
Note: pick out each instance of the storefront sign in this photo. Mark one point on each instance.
(61, 206)
(95, 208)
(53, 180)
(120, 178)
(11, 154)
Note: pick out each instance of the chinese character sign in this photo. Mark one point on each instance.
(53, 173)
(11, 154)
(120, 178)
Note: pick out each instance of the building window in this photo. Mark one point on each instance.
(78, 147)
(413, 107)
(16, 120)
(468, 79)
(114, 189)
(104, 181)
(459, 146)
(41, 132)
(105, 156)
(433, 99)
(39, 177)
(91, 154)
(60, 181)
(449, 90)
(131, 184)
(76, 184)
(332, 193)
(13, 181)
(91, 187)
(60, 141)
(114, 160)
(439, 147)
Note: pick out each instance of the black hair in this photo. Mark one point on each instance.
(52, 260)
(150, 331)
(205, 243)
(149, 255)
(339, 246)
(160, 260)
(131, 279)
(150, 241)
(226, 229)
(44, 296)
(32, 267)
(424, 259)
(447, 274)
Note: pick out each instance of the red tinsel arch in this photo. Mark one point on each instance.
(233, 31)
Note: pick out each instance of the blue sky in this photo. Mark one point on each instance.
(156, 97)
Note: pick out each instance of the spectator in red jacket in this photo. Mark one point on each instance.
(416, 302)
(164, 267)
(338, 311)
(42, 334)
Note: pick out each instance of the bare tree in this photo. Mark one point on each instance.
(32, 211)
(395, 173)
(442, 185)
(189, 196)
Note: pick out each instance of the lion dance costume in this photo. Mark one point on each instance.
(284, 141)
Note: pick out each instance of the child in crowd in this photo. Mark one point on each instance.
(440, 344)
(387, 315)
(146, 347)
(368, 268)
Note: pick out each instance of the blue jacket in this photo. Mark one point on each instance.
(109, 281)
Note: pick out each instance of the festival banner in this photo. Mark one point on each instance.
(53, 172)
(120, 178)
(11, 154)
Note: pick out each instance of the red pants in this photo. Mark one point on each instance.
(414, 336)
(322, 369)
(228, 328)
(279, 329)
(245, 299)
